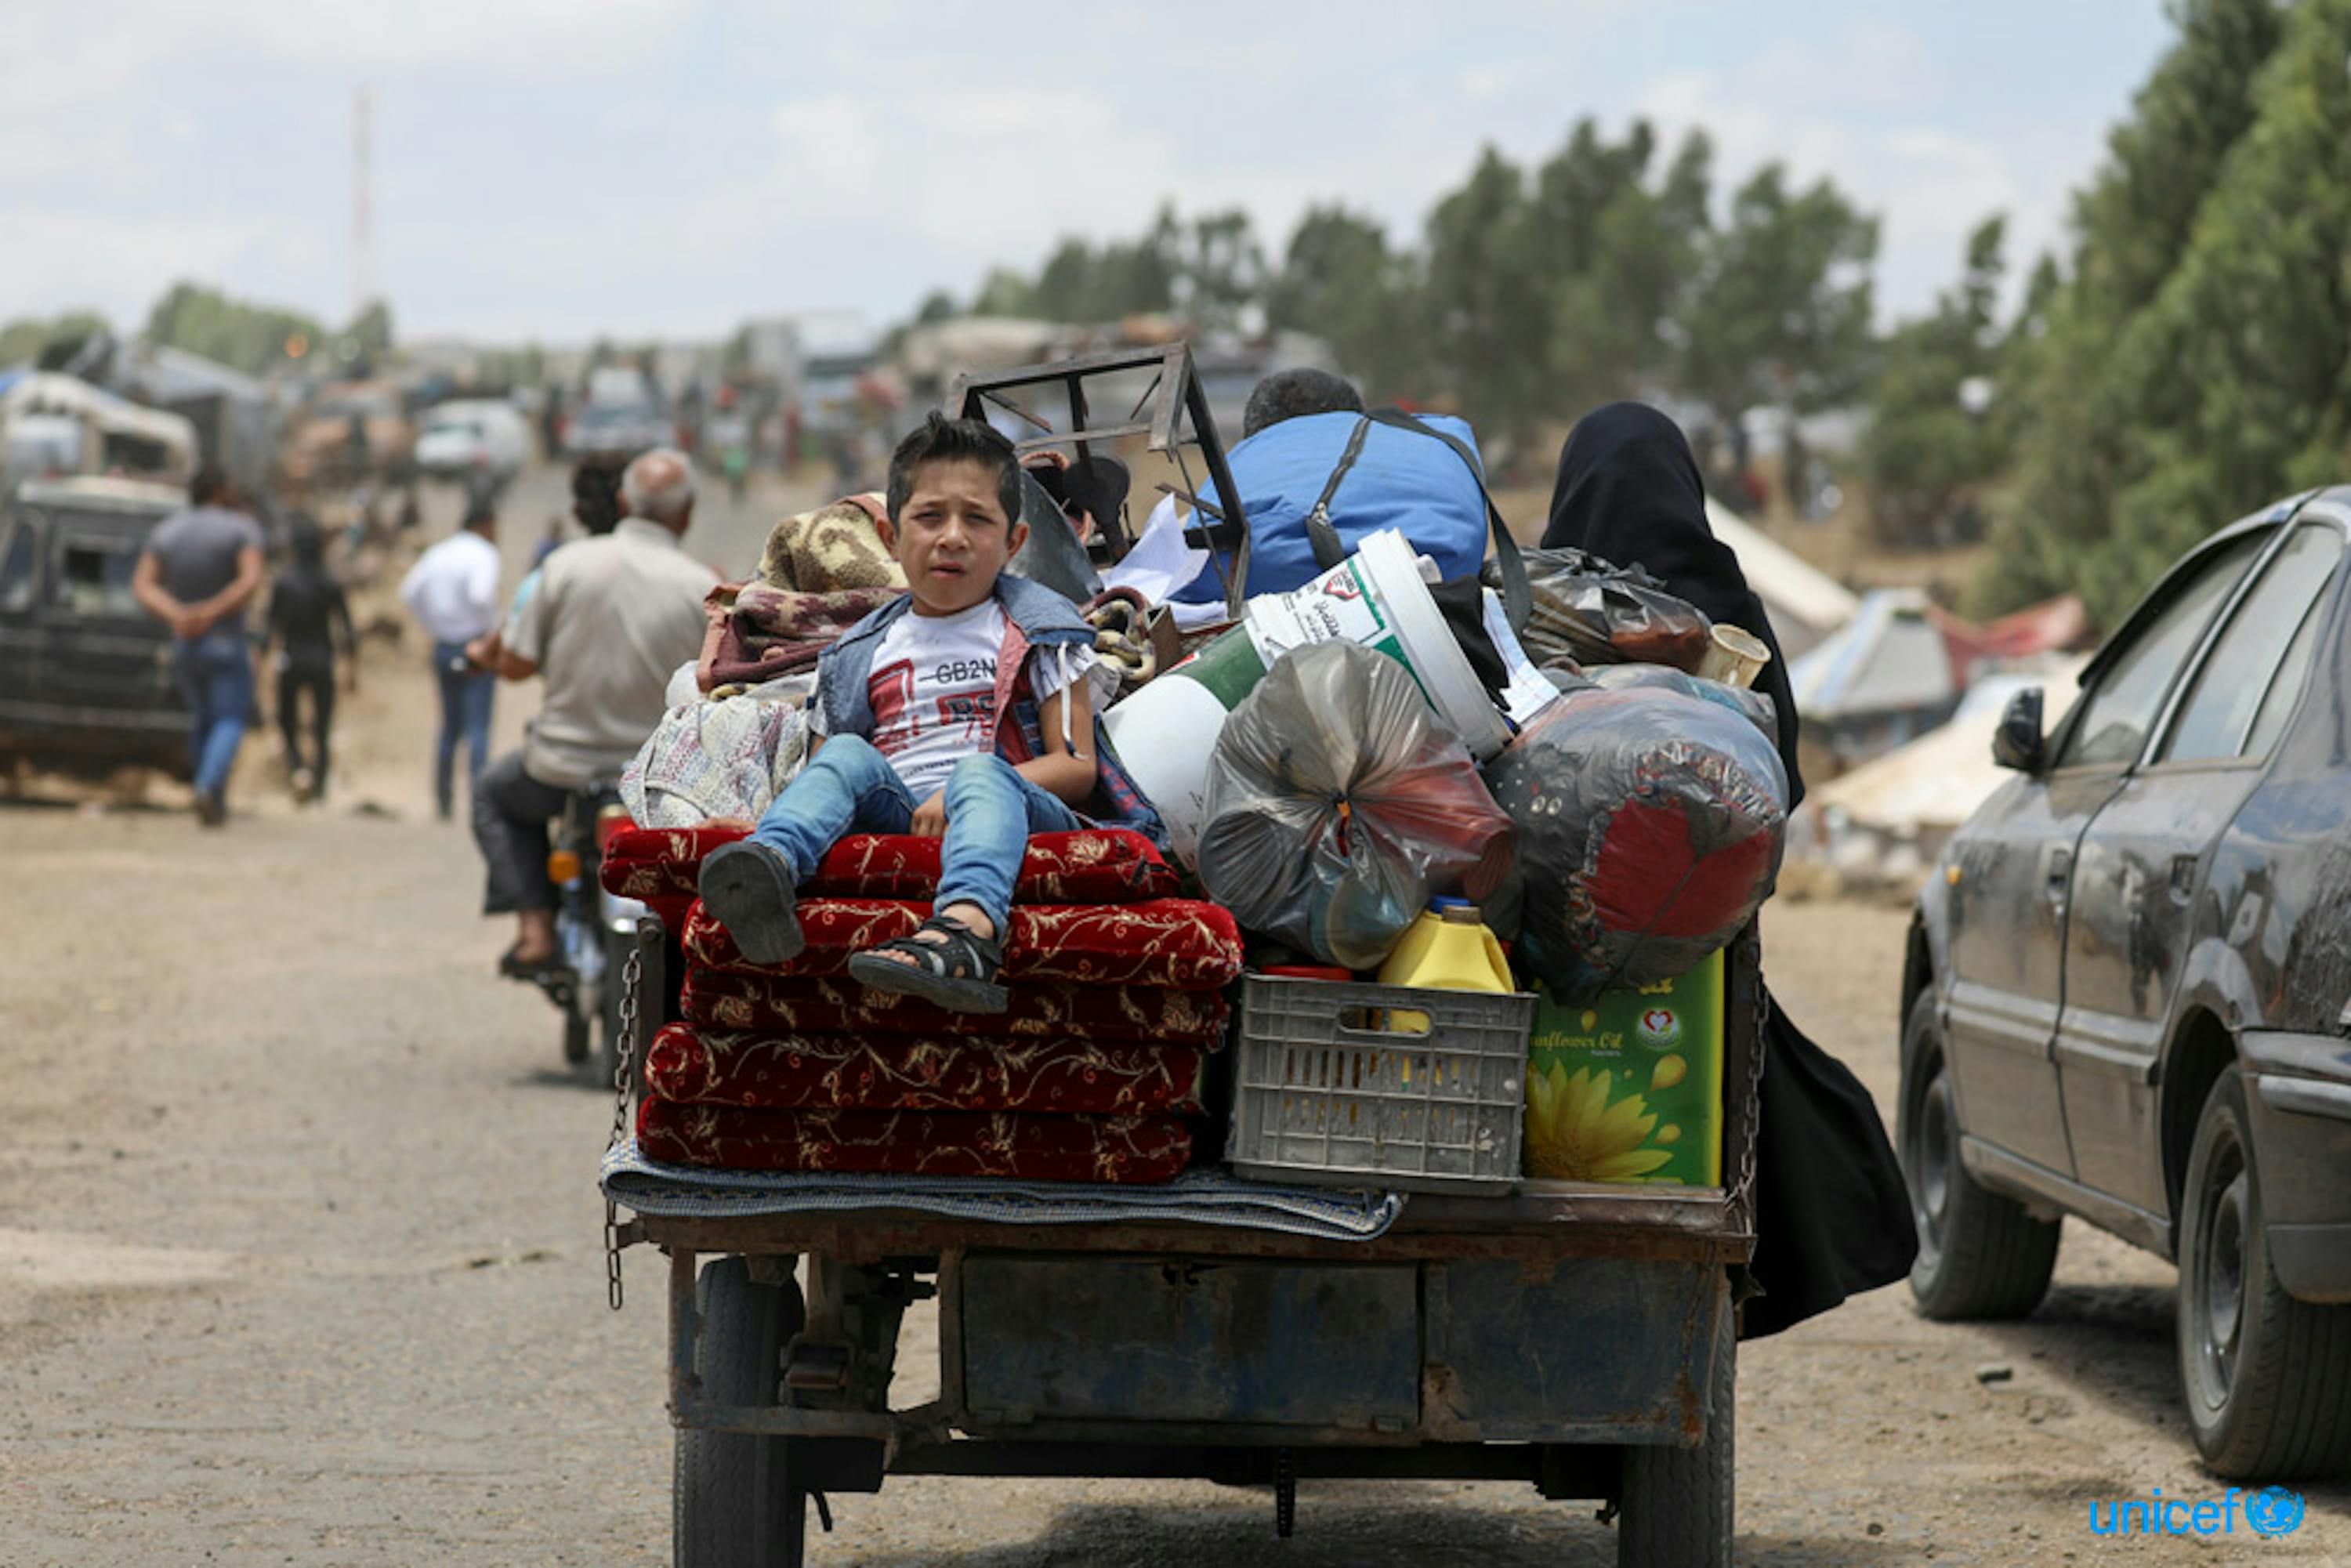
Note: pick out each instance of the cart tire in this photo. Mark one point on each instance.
(733, 1503)
(1679, 1504)
(1980, 1255)
(2267, 1377)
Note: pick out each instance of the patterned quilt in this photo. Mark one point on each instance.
(1028, 1147)
(1040, 1009)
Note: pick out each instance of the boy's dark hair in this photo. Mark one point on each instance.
(209, 486)
(1287, 394)
(596, 497)
(939, 439)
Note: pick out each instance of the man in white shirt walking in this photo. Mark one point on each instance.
(452, 590)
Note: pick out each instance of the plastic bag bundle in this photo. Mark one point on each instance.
(1650, 827)
(1339, 804)
(1591, 611)
(1752, 705)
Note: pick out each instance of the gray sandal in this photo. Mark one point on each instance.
(748, 889)
(958, 973)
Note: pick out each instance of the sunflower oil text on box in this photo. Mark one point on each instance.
(1628, 1086)
(2268, 1513)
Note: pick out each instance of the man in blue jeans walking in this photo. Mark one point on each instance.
(201, 567)
(962, 710)
(452, 590)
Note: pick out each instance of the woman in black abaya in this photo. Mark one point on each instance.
(1832, 1217)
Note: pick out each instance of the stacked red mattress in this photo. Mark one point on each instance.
(1089, 1076)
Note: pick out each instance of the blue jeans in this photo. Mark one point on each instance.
(851, 788)
(465, 697)
(217, 672)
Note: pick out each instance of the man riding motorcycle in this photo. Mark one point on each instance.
(612, 617)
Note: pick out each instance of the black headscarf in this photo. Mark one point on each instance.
(1629, 492)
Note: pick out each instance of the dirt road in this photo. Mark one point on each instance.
(299, 1263)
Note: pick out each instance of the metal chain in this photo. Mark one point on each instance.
(1743, 1186)
(632, 979)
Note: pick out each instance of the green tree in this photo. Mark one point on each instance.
(1779, 313)
(367, 340)
(250, 338)
(24, 339)
(1932, 434)
(1341, 282)
(1487, 300)
(2081, 410)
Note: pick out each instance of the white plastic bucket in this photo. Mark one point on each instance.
(1166, 733)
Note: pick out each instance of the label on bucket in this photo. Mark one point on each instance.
(1337, 605)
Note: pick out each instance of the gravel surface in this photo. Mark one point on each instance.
(300, 1259)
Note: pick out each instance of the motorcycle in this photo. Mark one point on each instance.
(593, 929)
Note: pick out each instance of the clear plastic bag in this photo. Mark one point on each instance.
(1650, 828)
(1595, 612)
(1339, 803)
(1752, 705)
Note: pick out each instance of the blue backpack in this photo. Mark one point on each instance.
(1313, 486)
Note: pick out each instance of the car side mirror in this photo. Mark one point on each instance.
(2018, 742)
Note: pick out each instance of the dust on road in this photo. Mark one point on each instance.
(299, 1262)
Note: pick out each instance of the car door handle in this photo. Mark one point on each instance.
(2183, 878)
(2059, 873)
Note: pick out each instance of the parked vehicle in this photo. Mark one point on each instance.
(473, 437)
(88, 680)
(53, 424)
(615, 432)
(2126, 987)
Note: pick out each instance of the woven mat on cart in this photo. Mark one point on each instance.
(1196, 1197)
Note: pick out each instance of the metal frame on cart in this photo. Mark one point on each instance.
(1175, 399)
(1652, 1262)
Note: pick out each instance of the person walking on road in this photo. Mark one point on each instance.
(612, 617)
(453, 590)
(310, 621)
(201, 569)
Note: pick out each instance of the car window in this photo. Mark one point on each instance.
(2117, 712)
(2217, 719)
(19, 572)
(2277, 704)
(94, 577)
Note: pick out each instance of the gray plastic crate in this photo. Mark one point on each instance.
(1321, 1094)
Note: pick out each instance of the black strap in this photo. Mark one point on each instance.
(1518, 593)
(1329, 550)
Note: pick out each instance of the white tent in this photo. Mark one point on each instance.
(1806, 604)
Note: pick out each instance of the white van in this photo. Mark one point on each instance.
(471, 437)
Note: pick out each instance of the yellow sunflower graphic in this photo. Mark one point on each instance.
(1573, 1133)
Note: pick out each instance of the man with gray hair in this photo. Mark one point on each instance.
(612, 616)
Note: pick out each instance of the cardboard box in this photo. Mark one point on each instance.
(1629, 1087)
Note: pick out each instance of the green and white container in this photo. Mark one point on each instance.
(1167, 733)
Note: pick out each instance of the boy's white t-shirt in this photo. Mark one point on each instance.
(933, 691)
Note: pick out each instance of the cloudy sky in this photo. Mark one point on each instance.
(561, 167)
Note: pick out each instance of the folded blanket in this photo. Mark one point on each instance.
(911, 1073)
(756, 632)
(1092, 865)
(1178, 943)
(1026, 1147)
(1039, 1009)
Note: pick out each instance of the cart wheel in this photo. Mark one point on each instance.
(1676, 1508)
(734, 1505)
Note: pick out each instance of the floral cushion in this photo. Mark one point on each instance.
(1022, 1146)
(1040, 1009)
(1096, 865)
(1178, 943)
(911, 1073)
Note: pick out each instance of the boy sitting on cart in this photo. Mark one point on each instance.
(962, 709)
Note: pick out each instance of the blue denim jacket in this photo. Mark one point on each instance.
(1035, 617)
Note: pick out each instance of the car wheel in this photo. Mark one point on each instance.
(2267, 1378)
(733, 1502)
(1980, 1255)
